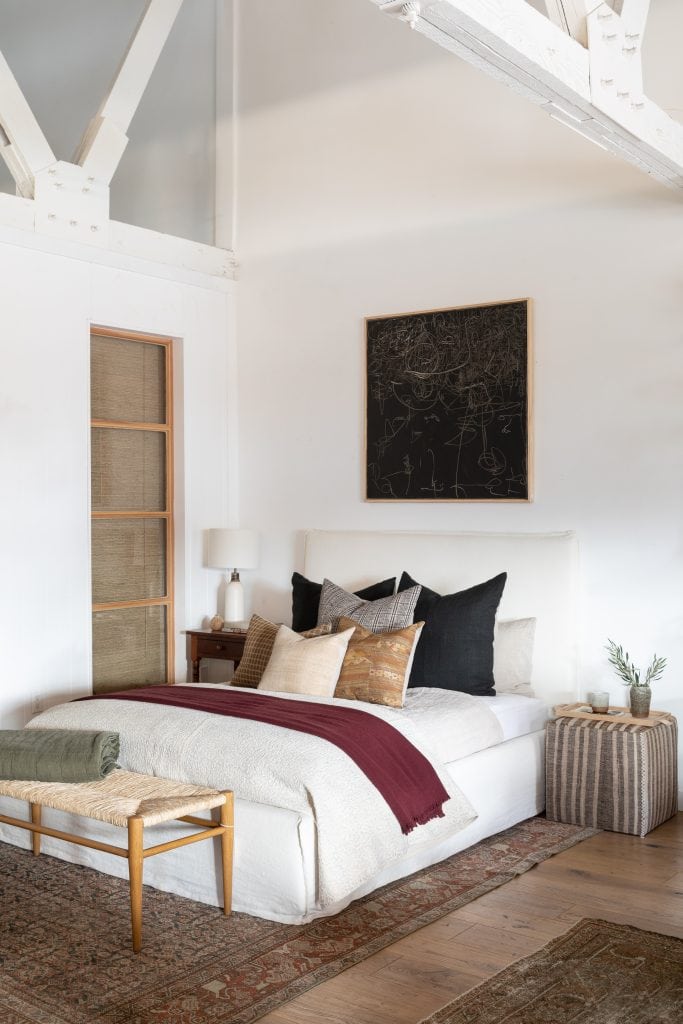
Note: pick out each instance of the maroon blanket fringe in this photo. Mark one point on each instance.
(402, 775)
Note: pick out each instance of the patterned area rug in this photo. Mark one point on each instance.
(597, 972)
(65, 954)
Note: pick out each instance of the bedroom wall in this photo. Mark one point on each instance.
(51, 293)
(379, 174)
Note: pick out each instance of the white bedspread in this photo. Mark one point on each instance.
(357, 833)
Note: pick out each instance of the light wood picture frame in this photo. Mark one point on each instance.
(449, 404)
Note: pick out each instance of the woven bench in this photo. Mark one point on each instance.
(133, 802)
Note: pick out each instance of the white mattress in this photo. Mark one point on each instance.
(432, 709)
(518, 715)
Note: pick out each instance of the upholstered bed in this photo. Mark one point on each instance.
(285, 866)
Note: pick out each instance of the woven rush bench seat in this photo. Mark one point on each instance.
(131, 801)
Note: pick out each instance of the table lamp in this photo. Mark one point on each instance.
(232, 550)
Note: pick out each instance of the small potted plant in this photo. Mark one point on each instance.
(639, 689)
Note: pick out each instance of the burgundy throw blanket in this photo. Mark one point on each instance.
(403, 776)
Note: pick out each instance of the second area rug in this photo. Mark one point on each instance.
(596, 973)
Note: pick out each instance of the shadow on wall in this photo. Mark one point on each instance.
(328, 44)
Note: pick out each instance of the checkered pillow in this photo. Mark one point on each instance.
(258, 647)
(378, 616)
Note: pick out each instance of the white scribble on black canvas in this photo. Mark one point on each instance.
(447, 404)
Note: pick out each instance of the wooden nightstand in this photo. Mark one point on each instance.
(205, 643)
(616, 773)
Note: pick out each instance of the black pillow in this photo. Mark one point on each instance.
(455, 649)
(306, 598)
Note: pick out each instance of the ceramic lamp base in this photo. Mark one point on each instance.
(234, 601)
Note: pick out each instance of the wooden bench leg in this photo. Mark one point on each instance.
(35, 818)
(227, 844)
(135, 862)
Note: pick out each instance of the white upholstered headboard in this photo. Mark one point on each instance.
(542, 579)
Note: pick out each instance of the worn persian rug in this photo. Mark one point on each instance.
(65, 955)
(596, 973)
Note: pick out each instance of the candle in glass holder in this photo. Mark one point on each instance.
(599, 702)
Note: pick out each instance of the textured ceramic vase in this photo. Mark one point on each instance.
(640, 701)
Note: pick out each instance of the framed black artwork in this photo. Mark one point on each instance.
(449, 404)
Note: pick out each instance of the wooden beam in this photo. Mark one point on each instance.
(633, 14)
(597, 91)
(570, 16)
(105, 139)
(23, 146)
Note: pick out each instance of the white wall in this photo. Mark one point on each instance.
(49, 300)
(379, 174)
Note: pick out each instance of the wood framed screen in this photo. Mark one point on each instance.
(131, 400)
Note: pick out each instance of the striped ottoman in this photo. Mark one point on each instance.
(618, 776)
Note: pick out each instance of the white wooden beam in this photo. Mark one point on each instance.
(22, 144)
(105, 139)
(597, 91)
(129, 247)
(634, 17)
(570, 16)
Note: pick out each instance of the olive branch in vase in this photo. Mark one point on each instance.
(627, 671)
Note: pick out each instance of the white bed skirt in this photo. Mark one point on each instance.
(275, 875)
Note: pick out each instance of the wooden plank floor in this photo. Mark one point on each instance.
(616, 877)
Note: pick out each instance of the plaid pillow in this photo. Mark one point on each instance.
(258, 647)
(378, 616)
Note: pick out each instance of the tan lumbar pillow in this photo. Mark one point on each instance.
(377, 666)
(300, 665)
(258, 647)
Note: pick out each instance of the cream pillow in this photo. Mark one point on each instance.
(300, 665)
(513, 651)
(258, 647)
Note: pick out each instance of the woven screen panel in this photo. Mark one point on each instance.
(623, 778)
(128, 559)
(127, 380)
(128, 470)
(129, 648)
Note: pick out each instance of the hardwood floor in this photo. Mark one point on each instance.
(615, 877)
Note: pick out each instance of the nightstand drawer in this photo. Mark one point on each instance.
(226, 647)
(205, 644)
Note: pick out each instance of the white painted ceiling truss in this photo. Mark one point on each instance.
(72, 199)
(582, 64)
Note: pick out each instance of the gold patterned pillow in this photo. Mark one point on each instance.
(377, 665)
(258, 647)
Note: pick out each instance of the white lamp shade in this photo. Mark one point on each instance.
(233, 549)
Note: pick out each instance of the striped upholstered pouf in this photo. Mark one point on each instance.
(618, 776)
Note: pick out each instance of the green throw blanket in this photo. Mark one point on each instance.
(57, 755)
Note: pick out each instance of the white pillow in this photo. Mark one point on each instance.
(300, 665)
(513, 652)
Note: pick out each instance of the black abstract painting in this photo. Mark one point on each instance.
(448, 405)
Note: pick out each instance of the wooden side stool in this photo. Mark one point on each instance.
(130, 801)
